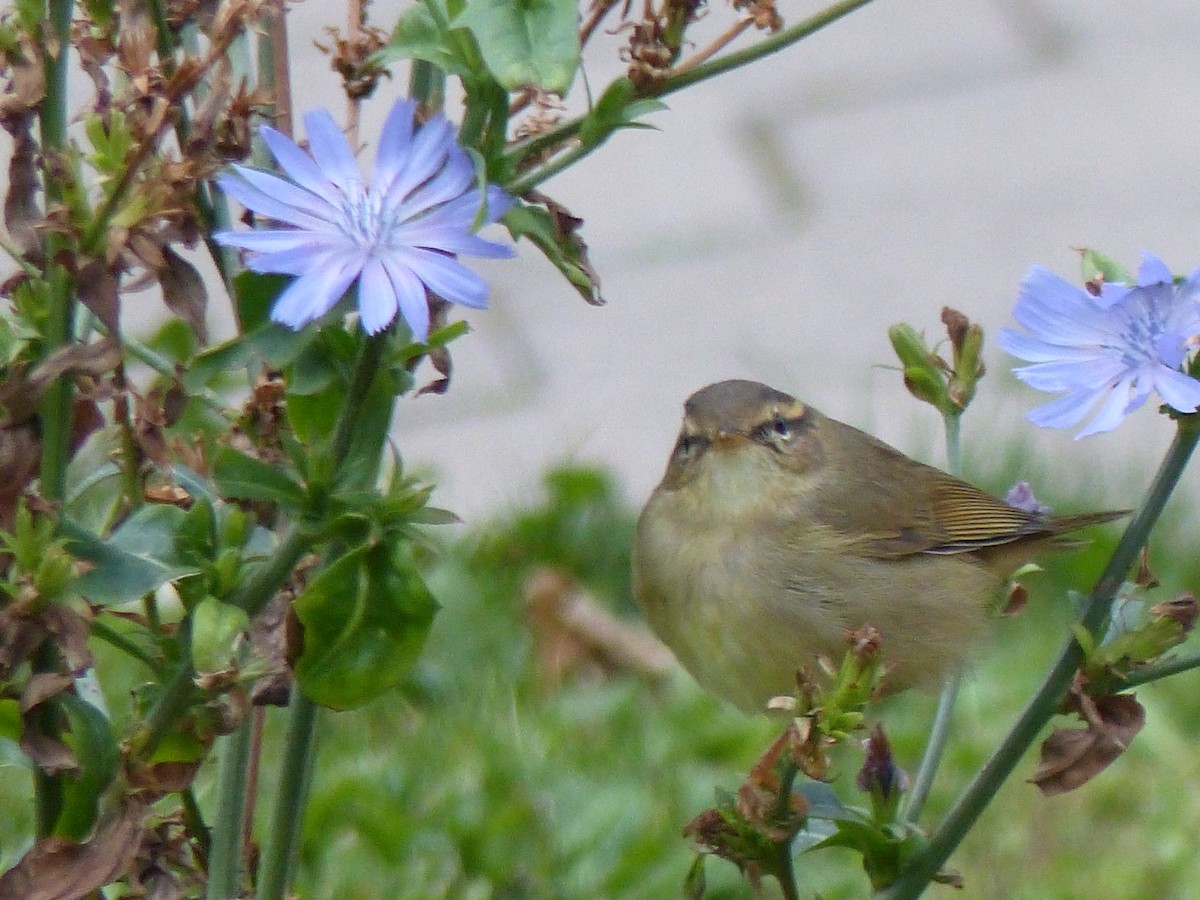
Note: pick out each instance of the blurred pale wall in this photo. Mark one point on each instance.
(915, 154)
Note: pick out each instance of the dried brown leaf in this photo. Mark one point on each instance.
(21, 394)
(1183, 609)
(184, 292)
(21, 212)
(42, 686)
(98, 285)
(57, 869)
(48, 754)
(573, 633)
(1070, 757)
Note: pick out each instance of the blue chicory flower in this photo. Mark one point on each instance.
(1116, 346)
(396, 234)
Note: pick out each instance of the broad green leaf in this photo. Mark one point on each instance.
(526, 43)
(313, 416)
(365, 619)
(139, 558)
(91, 739)
(418, 35)
(269, 346)
(217, 630)
(246, 478)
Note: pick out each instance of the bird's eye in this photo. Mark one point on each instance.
(781, 427)
(687, 445)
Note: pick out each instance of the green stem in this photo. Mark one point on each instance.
(783, 38)
(172, 703)
(939, 734)
(785, 872)
(225, 862)
(114, 638)
(1165, 668)
(283, 838)
(55, 409)
(194, 822)
(1045, 702)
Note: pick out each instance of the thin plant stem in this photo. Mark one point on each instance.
(939, 734)
(1172, 665)
(225, 860)
(677, 81)
(115, 639)
(194, 821)
(283, 838)
(1045, 701)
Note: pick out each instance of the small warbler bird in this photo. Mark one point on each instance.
(776, 530)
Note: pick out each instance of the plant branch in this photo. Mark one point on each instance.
(279, 852)
(1045, 702)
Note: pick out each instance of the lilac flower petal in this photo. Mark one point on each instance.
(1181, 392)
(429, 151)
(410, 294)
(331, 150)
(1153, 271)
(394, 142)
(1069, 375)
(455, 240)
(448, 278)
(283, 191)
(295, 261)
(266, 205)
(1111, 294)
(1032, 349)
(295, 162)
(1114, 409)
(377, 303)
(276, 241)
(1065, 411)
(316, 292)
(444, 186)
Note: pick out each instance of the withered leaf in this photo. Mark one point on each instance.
(58, 869)
(21, 212)
(1071, 757)
(163, 778)
(71, 631)
(42, 687)
(184, 292)
(574, 634)
(98, 285)
(21, 394)
(48, 754)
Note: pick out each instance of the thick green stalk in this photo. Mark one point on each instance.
(225, 860)
(283, 838)
(1045, 702)
(55, 409)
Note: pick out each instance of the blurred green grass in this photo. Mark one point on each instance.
(477, 780)
(476, 783)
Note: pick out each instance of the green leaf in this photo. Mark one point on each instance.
(139, 558)
(217, 630)
(616, 109)
(246, 478)
(418, 35)
(95, 749)
(567, 252)
(365, 619)
(526, 43)
(1094, 263)
(255, 294)
(269, 346)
